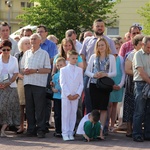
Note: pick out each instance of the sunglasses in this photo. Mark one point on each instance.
(7, 49)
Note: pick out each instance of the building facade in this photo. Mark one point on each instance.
(128, 16)
(126, 9)
(10, 9)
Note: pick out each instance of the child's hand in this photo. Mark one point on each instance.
(86, 137)
(51, 83)
(70, 97)
(54, 90)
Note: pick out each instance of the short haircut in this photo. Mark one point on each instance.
(134, 27)
(146, 39)
(95, 115)
(136, 39)
(98, 20)
(59, 59)
(21, 41)
(28, 30)
(43, 26)
(36, 35)
(69, 33)
(5, 43)
(72, 52)
(4, 24)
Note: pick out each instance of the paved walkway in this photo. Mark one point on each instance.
(114, 141)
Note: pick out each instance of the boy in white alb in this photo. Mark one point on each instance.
(71, 82)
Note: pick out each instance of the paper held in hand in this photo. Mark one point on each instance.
(5, 78)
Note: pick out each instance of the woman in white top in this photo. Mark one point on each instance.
(101, 64)
(9, 101)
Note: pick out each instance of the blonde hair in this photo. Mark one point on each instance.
(21, 41)
(97, 52)
(59, 59)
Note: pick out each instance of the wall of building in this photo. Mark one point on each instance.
(9, 14)
(127, 11)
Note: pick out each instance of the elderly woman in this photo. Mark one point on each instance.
(23, 45)
(9, 101)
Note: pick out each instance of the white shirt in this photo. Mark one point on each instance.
(36, 60)
(12, 67)
(78, 46)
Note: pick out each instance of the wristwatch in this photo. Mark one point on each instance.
(37, 70)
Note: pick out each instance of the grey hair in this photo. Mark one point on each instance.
(21, 41)
(36, 35)
(146, 39)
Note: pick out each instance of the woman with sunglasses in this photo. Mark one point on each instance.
(9, 101)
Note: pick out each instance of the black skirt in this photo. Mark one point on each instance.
(99, 99)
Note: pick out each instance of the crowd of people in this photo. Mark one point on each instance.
(97, 83)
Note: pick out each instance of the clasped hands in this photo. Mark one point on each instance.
(100, 75)
(4, 85)
(72, 97)
(29, 71)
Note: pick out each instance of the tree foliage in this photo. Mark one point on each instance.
(145, 13)
(60, 15)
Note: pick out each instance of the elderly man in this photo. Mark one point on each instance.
(141, 76)
(4, 34)
(35, 67)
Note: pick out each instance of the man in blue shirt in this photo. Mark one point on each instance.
(46, 44)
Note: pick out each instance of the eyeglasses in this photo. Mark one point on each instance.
(135, 33)
(6, 49)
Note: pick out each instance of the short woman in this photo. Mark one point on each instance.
(9, 100)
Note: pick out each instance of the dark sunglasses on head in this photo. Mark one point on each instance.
(6, 49)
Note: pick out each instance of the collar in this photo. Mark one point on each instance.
(143, 52)
(70, 65)
(36, 50)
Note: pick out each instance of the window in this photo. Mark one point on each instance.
(113, 31)
(23, 4)
(30, 4)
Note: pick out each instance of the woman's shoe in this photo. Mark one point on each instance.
(3, 134)
(20, 131)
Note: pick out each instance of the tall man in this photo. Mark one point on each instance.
(141, 76)
(88, 49)
(35, 67)
(51, 48)
(4, 34)
(46, 44)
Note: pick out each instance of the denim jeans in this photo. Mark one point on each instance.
(140, 104)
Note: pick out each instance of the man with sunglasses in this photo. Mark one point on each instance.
(4, 35)
(128, 46)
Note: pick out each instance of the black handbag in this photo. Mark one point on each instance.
(105, 84)
(49, 92)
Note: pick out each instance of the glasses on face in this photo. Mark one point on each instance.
(134, 33)
(6, 49)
